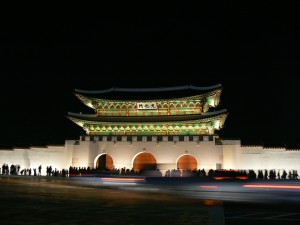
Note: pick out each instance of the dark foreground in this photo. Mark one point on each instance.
(53, 200)
(261, 214)
(27, 200)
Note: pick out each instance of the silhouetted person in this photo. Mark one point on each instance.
(40, 170)
(284, 174)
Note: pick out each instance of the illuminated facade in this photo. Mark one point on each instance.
(188, 115)
(138, 129)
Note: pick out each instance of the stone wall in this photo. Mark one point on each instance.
(207, 152)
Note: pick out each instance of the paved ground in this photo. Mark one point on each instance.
(261, 214)
(27, 200)
(50, 200)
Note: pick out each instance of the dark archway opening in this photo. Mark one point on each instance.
(104, 162)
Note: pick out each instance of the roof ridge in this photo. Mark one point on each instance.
(158, 89)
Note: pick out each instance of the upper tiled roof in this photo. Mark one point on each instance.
(148, 93)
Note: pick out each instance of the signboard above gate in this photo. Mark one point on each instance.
(146, 105)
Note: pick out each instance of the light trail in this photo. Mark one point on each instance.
(206, 186)
(271, 186)
(121, 179)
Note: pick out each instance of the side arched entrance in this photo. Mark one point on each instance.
(187, 162)
(104, 162)
(144, 161)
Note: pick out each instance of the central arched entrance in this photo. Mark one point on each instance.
(187, 162)
(144, 161)
(104, 162)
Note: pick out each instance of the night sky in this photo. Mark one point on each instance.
(253, 51)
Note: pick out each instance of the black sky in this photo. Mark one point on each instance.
(253, 51)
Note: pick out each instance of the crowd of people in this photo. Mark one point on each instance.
(87, 171)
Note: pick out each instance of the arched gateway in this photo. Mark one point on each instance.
(187, 162)
(171, 121)
(139, 117)
(104, 161)
(144, 161)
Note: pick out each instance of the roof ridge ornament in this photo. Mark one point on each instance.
(159, 89)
